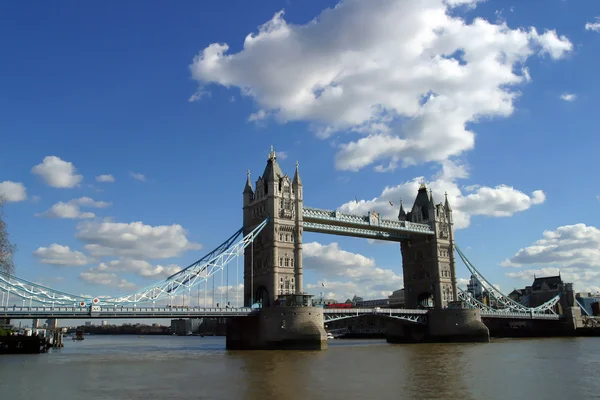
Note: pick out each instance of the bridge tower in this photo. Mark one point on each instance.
(273, 262)
(428, 261)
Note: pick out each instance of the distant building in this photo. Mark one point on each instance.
(184, 327)
(382, 303)
(88, 323)
(475, 288)
(396, 299)
(104, 323)
(320, 301)
(541, 290)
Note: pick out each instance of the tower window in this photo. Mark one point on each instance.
(292, 262)
(287, 262)
(281, 261)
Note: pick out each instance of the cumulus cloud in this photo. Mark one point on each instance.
(593, 26)
(572, 250)
(13, 191)
(407, 76)
(138, 267)
(346, 274)
(138, 176)
(134, 240)
(99, 277)
(105, 178)
(499, 201)
(59, 255)
(568, 96)
(71, 209)
(57, 173)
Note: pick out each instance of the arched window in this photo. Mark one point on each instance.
(281, 261)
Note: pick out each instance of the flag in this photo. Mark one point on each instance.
(322, 284)
(355, 199)
(391, 204)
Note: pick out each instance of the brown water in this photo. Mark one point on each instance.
(167, 367)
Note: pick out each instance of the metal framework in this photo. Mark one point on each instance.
(507, 305)
(197, 272)
(414, 316)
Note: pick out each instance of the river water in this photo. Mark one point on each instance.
(171, 367)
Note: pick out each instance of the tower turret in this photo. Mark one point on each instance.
(401, 213)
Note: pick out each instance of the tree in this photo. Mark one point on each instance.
(7, 249)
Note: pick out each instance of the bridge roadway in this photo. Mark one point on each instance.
(332, 314)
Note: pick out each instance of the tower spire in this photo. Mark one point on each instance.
(447, 204)
(272, 155)
(401, 213)
(297, 180)
(248, 187)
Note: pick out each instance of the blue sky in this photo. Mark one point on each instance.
(494, 103)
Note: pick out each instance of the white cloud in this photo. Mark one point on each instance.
(98, 277)
(134, 240)
(568, 96)
(57, 173)
(593, 26)
(572, 250)
(282, 155)
(61, 255)
(138, 176)
(105, 178)
(346, 273)
(499, 201)
(71, 209)
(139, 267)
(13, 191)
(406, 75)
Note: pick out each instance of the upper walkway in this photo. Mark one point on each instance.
(370, 226)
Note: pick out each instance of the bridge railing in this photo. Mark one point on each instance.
(519, 315)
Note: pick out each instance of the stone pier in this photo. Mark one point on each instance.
(443, 326)
(278, 328)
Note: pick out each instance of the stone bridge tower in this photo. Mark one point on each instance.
(428, 261)
(273, 263)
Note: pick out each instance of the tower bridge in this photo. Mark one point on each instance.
(276, 313)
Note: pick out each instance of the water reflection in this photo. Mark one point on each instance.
(200, 368)
(437, 371)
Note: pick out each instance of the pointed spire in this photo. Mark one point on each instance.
(447, 204)
(402, 213)
(272, 171)
(297, 180)
(272, 155)
(248, 187)
(431, 203)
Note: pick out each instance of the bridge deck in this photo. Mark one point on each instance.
(111, 312)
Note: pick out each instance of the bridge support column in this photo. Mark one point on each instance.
(457, 325)
(278, 328)
(52, 323)
(447, 325)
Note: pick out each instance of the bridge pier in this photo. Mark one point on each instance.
(446, 325)
(278, 328)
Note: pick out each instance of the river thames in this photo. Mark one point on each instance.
(171, 367)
